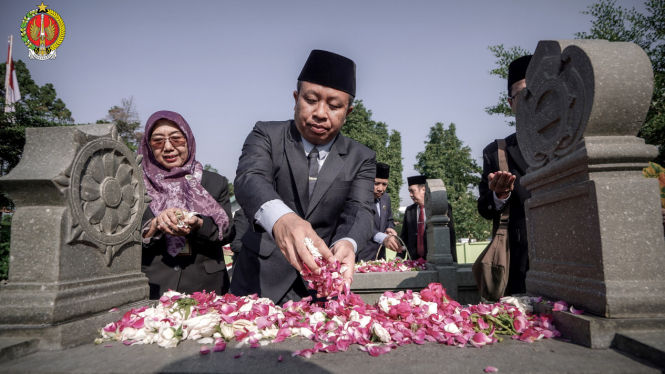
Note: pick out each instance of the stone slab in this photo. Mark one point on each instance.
(69, 334)
(15, 348)
(545, 356)
(598, 332)
(649, 345)
(370, 286)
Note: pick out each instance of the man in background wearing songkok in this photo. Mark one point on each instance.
(414, 230)
(384, 226)
(301, 178)
(497, 188)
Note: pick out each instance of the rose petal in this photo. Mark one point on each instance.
(279, 358)
(560, 306)
(491, 369)
(238, 355)
(576, 311)
(204, 350)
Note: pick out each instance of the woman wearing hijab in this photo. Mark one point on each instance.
(182, 253)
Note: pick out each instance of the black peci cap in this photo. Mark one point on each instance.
(382, 170)
(330, 70)
(418, 179)
(517, 70)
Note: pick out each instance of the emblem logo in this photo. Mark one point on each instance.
(42, 31)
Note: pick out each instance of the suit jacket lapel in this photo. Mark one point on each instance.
(378, 218)
(295, 154)
(333, 164)
(413, 221)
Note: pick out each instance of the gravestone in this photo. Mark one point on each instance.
(75, 244)
(458, 281)
(594, 222)
(439, 253)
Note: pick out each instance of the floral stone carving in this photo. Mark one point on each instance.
(106, 195)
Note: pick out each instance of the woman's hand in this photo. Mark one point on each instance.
(167, 222)
(194, 223)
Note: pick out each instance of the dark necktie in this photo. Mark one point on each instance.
(421, 232)
(313, 159)
(377, 216)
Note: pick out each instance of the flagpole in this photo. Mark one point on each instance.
(8, 66)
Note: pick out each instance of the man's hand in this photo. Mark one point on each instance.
(289, 232)
(390, 231)
(343, 251)
(392, 243)
(501, 183)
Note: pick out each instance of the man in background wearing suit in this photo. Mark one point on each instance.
(500, 187)
(414, 230)
(384, 225)
(301, 178)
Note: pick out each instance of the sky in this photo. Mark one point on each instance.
(224, 65)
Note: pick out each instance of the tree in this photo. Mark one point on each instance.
(209, 167)
(447, 158)
(615, 23)
(127, 121)
(360, 127)
(38, 107)
(504, 58)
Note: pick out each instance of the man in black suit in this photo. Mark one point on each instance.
(498, 188)
(384, 225)
(414, 230)
(301, 178)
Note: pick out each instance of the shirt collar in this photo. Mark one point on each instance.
(324, 149)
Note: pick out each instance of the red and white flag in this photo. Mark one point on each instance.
(12, 93)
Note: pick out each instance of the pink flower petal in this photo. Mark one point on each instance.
(279, 358)
(108, 346)
(560, 306)
(113, 310)
(204, 350)
(491, 369)
(219, 347)
(238, 355)
(576, 311)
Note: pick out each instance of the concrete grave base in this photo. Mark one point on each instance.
(457, 280)
(69, 334)
(598, 332)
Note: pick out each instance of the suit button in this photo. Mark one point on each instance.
(176, 268)
(489, 207)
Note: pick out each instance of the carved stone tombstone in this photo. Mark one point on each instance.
(75, 246)
(438, 235)
(594, 222)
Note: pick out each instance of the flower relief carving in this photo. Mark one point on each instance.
(108, 191)
(107, 196)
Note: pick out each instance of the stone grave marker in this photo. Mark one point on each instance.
(594, 222)
(75, 246)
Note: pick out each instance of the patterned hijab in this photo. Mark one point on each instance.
(179, 187)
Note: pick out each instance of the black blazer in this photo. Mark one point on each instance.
(273, 166)
(410, 232)
(517, 235)
(240, 225)
(204, 269)
(381, 223)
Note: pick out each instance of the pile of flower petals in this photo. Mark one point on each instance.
(397, 319)
(330, 278)
(397, 264)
